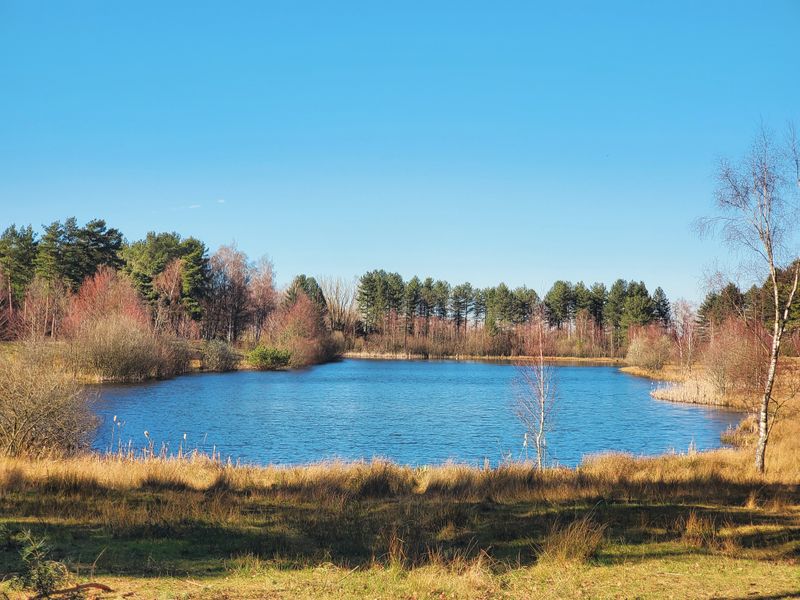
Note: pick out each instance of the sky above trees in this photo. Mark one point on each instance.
(525, 143)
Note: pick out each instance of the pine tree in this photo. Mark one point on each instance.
(17, 255)
(560, 303)
(662, 312)
(461, 301)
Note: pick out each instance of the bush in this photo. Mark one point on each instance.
(219, 356)
(40, 574)
(43, 409)
(735, 359)
(650, 349)
(300, 330)
(116, 348)
(577, 542)
(266, 358)
(174, 357)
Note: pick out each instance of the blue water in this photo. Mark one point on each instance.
(407, 411)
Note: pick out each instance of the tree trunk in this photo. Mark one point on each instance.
(777, 333)
(763, 413)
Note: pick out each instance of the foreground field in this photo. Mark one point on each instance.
(701, 525)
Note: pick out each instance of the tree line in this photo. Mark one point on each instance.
(163, 286)
(386, 302)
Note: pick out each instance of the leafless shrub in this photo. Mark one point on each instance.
(43, 410)
(649, 349)
(219, 356)
(118, 348)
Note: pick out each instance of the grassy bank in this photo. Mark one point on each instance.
(698, 524)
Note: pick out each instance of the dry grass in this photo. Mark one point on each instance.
(576, 542)
(692, 391)
(382, 530)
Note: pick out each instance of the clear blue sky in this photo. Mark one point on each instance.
(473, 141)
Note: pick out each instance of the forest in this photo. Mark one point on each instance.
(146, 308)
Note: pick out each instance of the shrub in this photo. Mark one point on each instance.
(649, 349)
(39, 573)
(112, 338)
(42, 408)
(219, 356)
(116, 348)
(300, 330)
(735, 359)
(263, 357)
(577, 542)
(174, 357)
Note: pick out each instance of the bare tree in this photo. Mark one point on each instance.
(758, 213)
(537, 396)
(685, 328)
(169, 286)
(227, 302)
(340, 296)
(263, 295)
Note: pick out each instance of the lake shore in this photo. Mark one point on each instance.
(343, 530)
(566, 360)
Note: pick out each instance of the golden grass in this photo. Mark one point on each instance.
(575, 542)
(599, 475)
(691, 391)
(686, 525)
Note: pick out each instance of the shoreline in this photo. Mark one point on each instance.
(588, 361)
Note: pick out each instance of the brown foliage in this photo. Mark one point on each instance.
(300, 329)
(650, 348)
(104, 293)
(111, 335)
(262, 296)
(736, 357)
(42, 310)
(43, 411)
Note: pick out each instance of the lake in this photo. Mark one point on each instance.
(412, 412)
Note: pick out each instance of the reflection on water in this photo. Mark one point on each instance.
(410, 412)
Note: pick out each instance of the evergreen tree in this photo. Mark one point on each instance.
(369, 301)
(17, 255)
(96, 245)
(582, 297)
(597, 302)
(479, 306)
(308, 286)
(500, 306)
(560, 304)
(48, 262)
(395, 289)
(525, 301)
(662, 312)
(441, 298)
(461, 303)
(411, 302)
(146, 259)
(637, 309)
(719, 306)
(614, 308)
(194, 276)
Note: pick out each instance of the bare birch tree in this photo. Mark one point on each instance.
(340, 296)
(757, 206)
(536, 398)
(685, 328)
